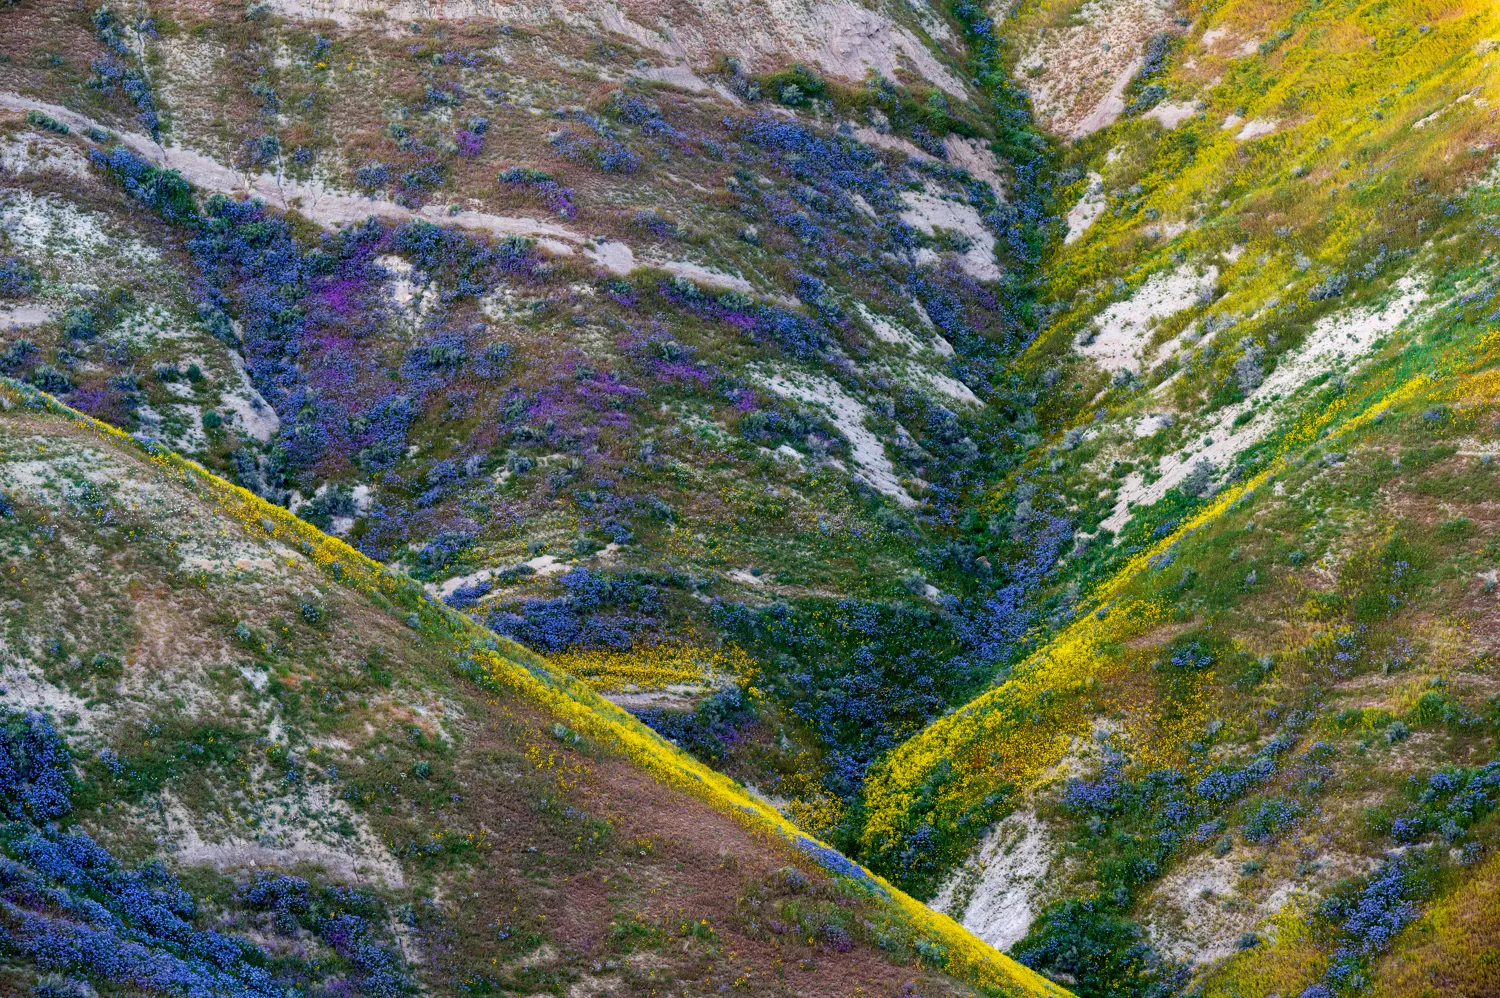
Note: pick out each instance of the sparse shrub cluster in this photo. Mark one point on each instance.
(117, 71)
(557, 197)
(602, 151)
(47, 123)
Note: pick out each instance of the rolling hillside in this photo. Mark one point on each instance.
(1043, 453)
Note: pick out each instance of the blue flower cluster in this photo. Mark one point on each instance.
(1228, 783)
(113, 72)
(163, 191)
(462, 265)
(817, 205)
(341, 917)
(1449, 803)
(557, 197)
(709, 731)
(598, 611)
(1274, 815)
(797, 334)
(34, 769)
(836, 862)
(67, 907)
(373, 176)
(856, 673)
(643, 113)
(16, 279)
(994, 624)
(602, 151)
(1367, 920)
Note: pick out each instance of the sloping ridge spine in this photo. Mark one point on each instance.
(500, 662)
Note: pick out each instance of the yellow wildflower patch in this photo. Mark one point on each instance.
(654, 667)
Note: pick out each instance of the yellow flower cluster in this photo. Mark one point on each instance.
(1320, 85)
(817, 811)
(655, 667)
(1292, 959)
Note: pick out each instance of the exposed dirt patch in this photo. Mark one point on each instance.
(842, 38)
(1201, 909)
(1077, 70)
(995, 893)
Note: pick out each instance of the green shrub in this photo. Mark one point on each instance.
(47, 122)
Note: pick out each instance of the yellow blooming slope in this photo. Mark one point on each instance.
(1009, 736)
(1361, 108)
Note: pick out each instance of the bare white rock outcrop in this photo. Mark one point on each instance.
(995, 893)
(840, 37)
(1087, 210)
(1120, 332)
(849, 415)
(1077, 73)
(1336, 343)
(927, 214)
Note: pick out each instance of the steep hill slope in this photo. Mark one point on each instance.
(1260, 725)
(1043, 451)
(678, 380)
(289, 769)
